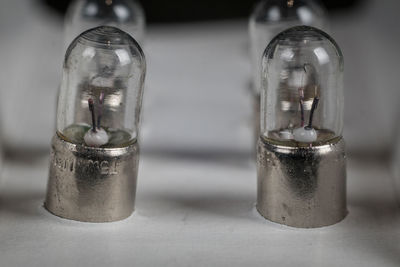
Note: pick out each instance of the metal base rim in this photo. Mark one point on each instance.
(87, 221)
(304, 227)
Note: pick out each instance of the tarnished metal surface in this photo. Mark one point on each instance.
(302, 187)
(91, 184)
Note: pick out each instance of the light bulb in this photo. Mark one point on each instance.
(301, 158)
(268, 19)
(126, 15)
(95, 150)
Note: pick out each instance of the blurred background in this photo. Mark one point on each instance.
(190, 11)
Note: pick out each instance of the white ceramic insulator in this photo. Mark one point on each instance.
(305, 135)
(96, 139)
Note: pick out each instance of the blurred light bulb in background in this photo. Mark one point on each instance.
(126, 15)
(95, 150)
(301, 157)
(269, 18)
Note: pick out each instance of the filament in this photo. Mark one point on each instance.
(91, 108)
(313, 108)
(301, 100)
(100, 109)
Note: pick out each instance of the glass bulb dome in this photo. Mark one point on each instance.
(302, 88)
(270, 17)
(126, 15)
(101, 90)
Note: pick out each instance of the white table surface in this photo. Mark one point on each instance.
(194, 212)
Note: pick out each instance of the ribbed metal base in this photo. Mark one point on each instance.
(91, 184)
(302, 187)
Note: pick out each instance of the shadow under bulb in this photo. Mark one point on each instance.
(301, 164)
(95, 151)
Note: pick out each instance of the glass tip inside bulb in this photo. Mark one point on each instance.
(96, 138)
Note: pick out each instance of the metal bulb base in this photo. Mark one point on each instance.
(302, 187)
(91, 184)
